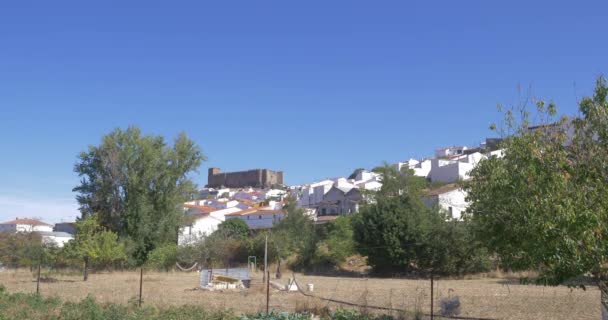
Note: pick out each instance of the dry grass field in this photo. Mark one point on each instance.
(485, 297)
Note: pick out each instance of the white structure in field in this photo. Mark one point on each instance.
(26, 225)
(450, 198)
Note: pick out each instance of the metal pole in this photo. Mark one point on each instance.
(265, 258)
(432, 285)
(141, 283)
(267, 291)
(38, 280)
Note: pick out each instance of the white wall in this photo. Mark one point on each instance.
(57, 240)
(453, 201)
(260, 221)
(203, 226)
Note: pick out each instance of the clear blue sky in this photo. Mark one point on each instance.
(314, 88)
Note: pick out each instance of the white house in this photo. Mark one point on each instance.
(450, 198)
(56, 238)
(259, 218)
(26, 225)
(311, 195)
(204, 221)
(450, 151)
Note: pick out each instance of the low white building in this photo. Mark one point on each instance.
(58, 239)
(450, 198)
(259, 218)
(26, 225)
(204, 220)
(450, 151)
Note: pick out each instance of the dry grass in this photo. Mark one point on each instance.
(499, 298)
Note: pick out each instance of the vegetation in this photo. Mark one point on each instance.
(135, 184)
(399, 233)
(21, 306)
(544, 206)
(94, 244)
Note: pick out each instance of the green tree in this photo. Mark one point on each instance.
(544, 205)
(94, 244)
(399, 233)
(336, 242)
(135, 183)
(233, 228)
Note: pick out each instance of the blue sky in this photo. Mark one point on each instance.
(314, 88)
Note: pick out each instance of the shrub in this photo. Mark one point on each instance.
(163, 258)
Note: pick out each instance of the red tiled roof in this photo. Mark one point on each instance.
(27, 221)
(254, 212)
(204, 209)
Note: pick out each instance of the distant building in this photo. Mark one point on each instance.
(58, 239)
(257, 178)
(67, 227)
(450, 198)
(26, 225)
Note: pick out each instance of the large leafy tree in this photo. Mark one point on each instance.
(135, 183)
(399, 233)
(544, 205)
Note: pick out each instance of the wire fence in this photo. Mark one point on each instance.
(403, 298)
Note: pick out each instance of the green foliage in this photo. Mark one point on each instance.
(544, 206)
(163, 257)
(215, 251)
(273, 315)
(21, 306)
(233, 228)
(95, 243)
(339, 243)
(135, 184)
(399, 233)
(21, 249)
(295, 235)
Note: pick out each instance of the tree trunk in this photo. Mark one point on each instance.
(86, 268)
(279, 269)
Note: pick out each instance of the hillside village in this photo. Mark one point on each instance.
(258, 196)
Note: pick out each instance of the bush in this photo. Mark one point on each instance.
(21, 306)
(163, 258)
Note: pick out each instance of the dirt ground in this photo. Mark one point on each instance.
(485, 297)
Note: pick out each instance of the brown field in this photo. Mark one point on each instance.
(501, 298)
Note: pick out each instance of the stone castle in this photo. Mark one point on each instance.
(257, 178)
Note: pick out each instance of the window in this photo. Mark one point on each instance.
(451, 212)
(260, 216)
(247, 217)
(323, 211)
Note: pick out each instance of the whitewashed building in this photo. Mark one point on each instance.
(259, 218)
(55, 238)
(204, 221)
(449, 198)
(26, 225)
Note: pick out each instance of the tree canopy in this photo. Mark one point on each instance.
(544, 205)
(134, 183)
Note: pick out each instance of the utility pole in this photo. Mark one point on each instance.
(141, 282)
(267, 292)
(265, 259)
(432, 300)
(38, 279)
